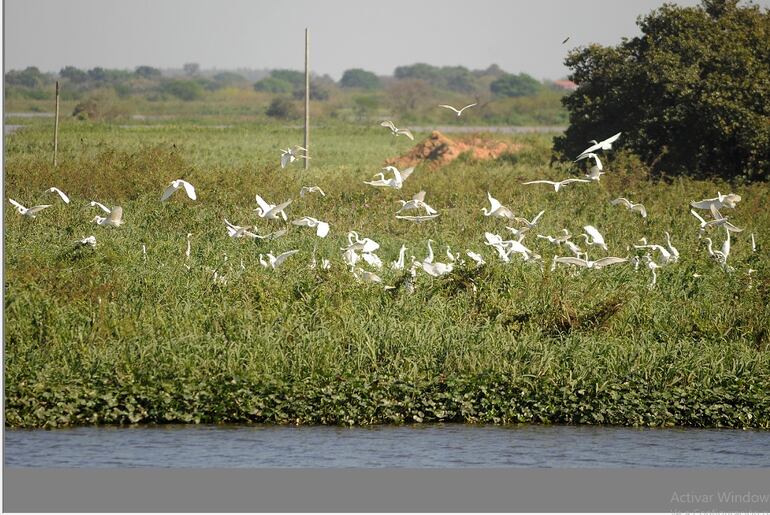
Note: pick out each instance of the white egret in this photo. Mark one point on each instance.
(665, 255)
(363, 245)
(187, 251)
(476, 257)
(289, 155)
(722, 220)
(497, 209)
(311, 189)
(594, 237)
(397, 132)
(652, 266)
(30, 212)
(437, 269)
(104, 208)
(601, 145)
(322, 228)
(399, 264)
(753, 243)
(529, 225)
(350, 257)
(557, 185)
(671, 249)
(429, 257)
(577, 251)
(720, 201)
(366, 276)
(176, 185)
(417, 202)
(459, 112)
(556, 239)
(595, 172)
(397, 182)
(275, 261)
(372, 259)
(639, 208)
(89, 240)
(271, 211)
(716, 222)
(237, 231)
(113, 219)
(62, 195)
(518, 233)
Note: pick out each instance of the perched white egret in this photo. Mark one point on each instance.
(639, 208)
(372, 259)
(476, 257)
(720, 256)
(720, 201)
(176, 185)
(275, 261)
(350, 257)
(652, 266)
(89, 240)
(289, 155)
(399, 264)
(396, 131)
(271, 211)
(113, 219)
(429, 257)
(593, 237)
(497, 209)
(62, 195)
(557, 185)
(671, 249)
(460, 111)
(601, 145)
(437, 269)
(417, 202)
(753, 243)
(30, 212)
(322, 228)
(366, 276)
(311, 189)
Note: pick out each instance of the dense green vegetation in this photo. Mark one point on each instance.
(360, 96)
(692, 93)
(104, 336)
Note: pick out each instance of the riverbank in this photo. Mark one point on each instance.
(135, 331)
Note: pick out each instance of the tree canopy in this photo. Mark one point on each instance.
(691, 94)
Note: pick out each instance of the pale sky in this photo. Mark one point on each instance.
(519, 36)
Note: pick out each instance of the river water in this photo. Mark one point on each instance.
(421, 446)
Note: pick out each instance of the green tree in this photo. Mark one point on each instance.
(30, 77)
(147, 72)
(273, 85)
(691, 94)
(293, 77)
(73, 74)
(521, 85)
(358, 78)
(184, 89)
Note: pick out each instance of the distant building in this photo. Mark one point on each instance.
(565, 84)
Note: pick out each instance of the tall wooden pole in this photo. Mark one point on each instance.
(307, 97)
(56, 127)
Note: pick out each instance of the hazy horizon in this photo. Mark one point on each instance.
(344, 34)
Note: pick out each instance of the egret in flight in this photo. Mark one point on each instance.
(396, 131)
(271, 211)
(289, 155)
(30, 212)
(321, 228)
(459, 112)
(176, 185)
(601, 145)
(639, 208)
(59, 192)
(311, 189)
(557, 185)
(497, 209)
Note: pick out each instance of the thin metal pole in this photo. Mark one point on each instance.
(307, 97)
(56, 127)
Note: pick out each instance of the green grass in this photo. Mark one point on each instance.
(103, 336)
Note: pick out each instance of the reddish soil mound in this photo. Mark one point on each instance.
(438, 150)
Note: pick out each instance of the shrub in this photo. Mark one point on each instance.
(273, 85)
(281, 107)
(691, 94)
(510, 85)
(184, 89)
(358, 78)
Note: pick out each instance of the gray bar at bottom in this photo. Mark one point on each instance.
(391, 490)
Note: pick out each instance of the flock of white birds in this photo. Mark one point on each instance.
(363, 250)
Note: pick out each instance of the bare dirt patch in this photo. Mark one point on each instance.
(438, 150)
